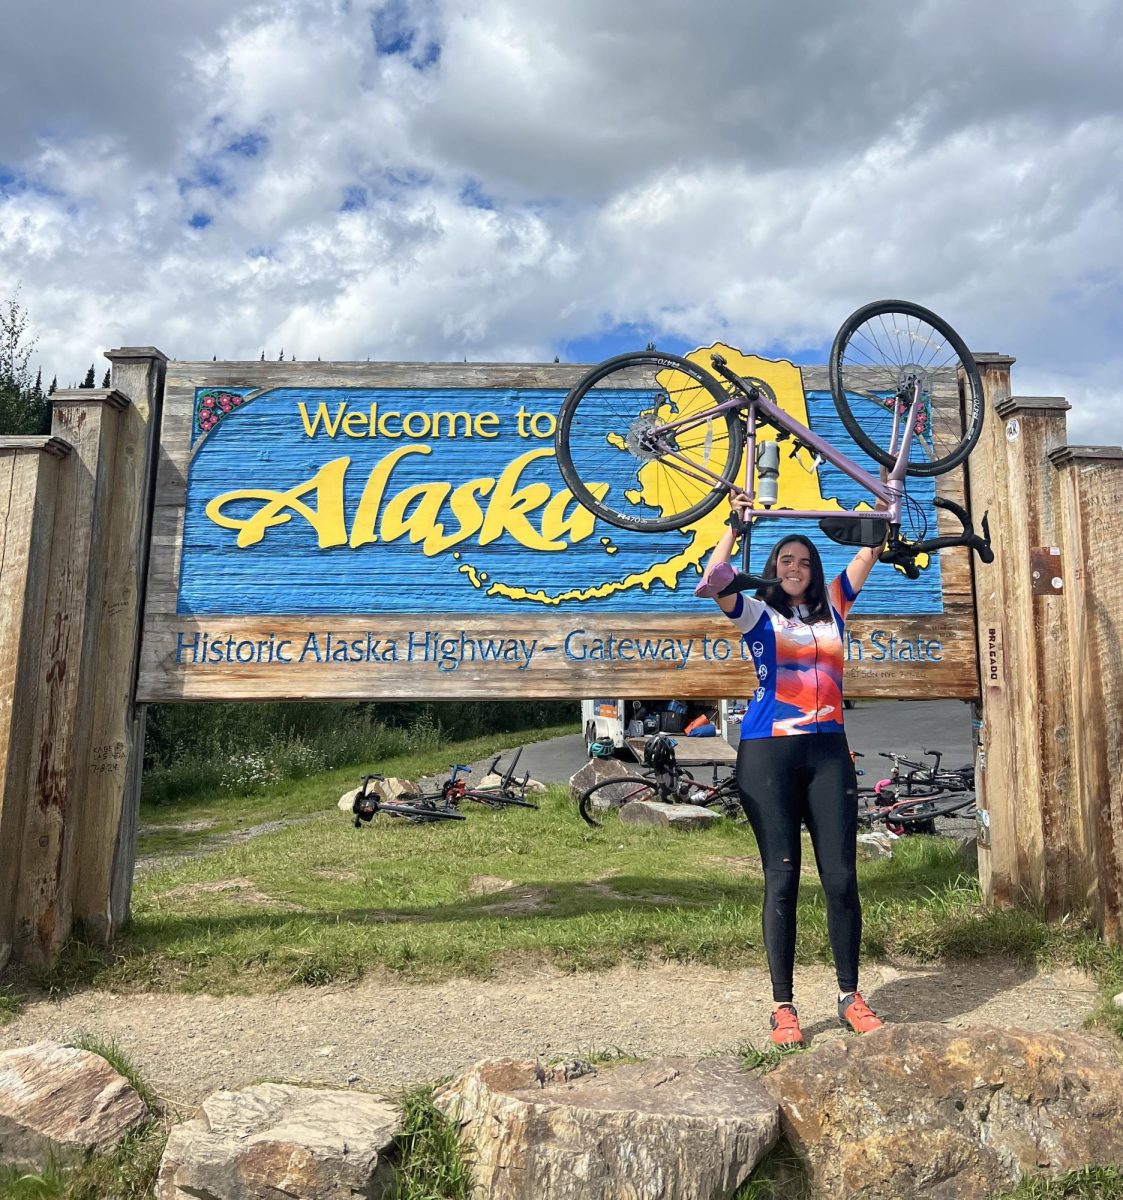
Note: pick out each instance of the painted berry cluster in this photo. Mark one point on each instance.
(213, 406)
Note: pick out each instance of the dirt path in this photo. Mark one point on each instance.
(383, 1034)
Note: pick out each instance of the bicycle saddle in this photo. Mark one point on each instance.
(855, 531)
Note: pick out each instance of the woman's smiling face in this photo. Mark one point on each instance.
(793, 566)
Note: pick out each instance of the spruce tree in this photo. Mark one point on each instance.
(88, 382)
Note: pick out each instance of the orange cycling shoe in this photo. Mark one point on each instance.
(785, 1027)
(855, 1014)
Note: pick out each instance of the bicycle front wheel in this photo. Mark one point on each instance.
(876, 355)
(614, 793)
(640, 442)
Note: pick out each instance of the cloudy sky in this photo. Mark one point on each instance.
(515, 179)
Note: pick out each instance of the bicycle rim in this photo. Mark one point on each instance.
(614, 793)
(619, 466)
(877, 350)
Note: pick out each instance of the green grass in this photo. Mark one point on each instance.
(1089, 1183)
(121, 1063)
(202, 815)
(318, 902)
(11, 1003)
(429, 1166)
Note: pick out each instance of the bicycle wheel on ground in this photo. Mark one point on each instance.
(876, 354)
(420, 812)
(640, 445)
(499, 799)
(909, 811)
(614, 793)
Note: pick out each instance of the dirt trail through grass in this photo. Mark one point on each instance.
(385, 1033)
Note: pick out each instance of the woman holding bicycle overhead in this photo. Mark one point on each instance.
(793, 762)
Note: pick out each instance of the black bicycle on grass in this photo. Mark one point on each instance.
(662, 780)
(416, 809)
(509, 792)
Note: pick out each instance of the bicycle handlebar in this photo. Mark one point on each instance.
(903, 554)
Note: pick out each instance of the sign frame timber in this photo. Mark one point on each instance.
(388, 531)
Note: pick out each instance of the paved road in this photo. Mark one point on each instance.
(905, 725)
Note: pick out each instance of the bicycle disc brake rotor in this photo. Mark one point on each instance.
(641, 438)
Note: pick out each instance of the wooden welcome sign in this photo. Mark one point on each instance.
(391, 530)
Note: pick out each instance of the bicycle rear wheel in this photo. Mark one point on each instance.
(876, 352)
(418, 813)
(620, 460)
(498, 799)
(940, 806)
(615, 793)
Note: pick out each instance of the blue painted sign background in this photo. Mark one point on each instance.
(293, 507)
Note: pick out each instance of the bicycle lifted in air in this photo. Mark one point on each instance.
(651, 442)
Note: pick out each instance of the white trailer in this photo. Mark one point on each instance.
(627, 721)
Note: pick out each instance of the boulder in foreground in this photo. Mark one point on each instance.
(679, 1127)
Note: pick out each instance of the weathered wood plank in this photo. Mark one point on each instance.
(44, 901)
(27, 487)
(997, 760)
(109, 770)
(1091, 506)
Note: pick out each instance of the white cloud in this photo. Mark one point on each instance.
(505, 179)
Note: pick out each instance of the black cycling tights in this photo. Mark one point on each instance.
(785, 781)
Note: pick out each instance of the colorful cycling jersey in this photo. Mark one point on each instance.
(798, 666)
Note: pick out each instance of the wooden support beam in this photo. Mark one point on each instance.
(1091, 512)
(996, 763)
(28, 476)
(64, 686)
(109, 773)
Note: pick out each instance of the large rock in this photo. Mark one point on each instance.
(594, 771)
(668, 816)
(62, 1102)
(533, 786)
(923, 1110)
(672, 1127)
(275, 1140)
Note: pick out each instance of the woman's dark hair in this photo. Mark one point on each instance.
(815, 600)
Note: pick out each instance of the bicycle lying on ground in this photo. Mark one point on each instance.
(651, 442)
(413, 808)
(662, 780)
(508, 792)
(916, 794)
(915, 814)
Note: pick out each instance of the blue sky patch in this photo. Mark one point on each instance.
(200, 220)
(354, 199)
(249, 145)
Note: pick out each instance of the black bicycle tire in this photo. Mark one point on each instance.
(626, 520)
(413, 812)
(498, 800)
(854, 426)
(934, 807)
(645, 789)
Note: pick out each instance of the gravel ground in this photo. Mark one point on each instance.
(383, 1034)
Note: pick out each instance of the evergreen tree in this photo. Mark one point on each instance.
(23, 407)
(88, 382)
(105, 381)
(54, 386)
